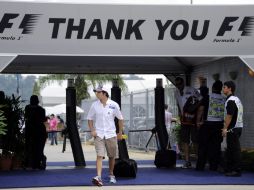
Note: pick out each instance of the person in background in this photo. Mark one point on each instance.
(46, 123)
(60, 127)
(101, 121)
(232, 130)
(61, 124)
(203, 106)
(210, 130)
(188, 132)
(168, 120)
(35, 134)
(53, 122)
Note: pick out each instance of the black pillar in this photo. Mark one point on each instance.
(116, 92)
(72, 124)
(160, 115)
(116, 96)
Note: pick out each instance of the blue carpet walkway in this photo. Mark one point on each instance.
(145, 176)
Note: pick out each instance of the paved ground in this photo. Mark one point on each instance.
(54, 153)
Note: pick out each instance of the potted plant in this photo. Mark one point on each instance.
(19, 153)
(12, 143)
(5, 163)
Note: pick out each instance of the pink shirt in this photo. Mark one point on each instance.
(53, 124)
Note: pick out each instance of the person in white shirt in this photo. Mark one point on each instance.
(168, 118)
(102, 125)
(188, 132)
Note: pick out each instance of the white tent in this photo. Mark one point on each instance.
(60, 109)
(49, 110)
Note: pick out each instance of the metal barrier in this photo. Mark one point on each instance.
(138, 112)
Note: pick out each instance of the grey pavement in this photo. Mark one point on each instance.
(54, 154)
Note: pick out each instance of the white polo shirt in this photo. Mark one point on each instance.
(103, 118)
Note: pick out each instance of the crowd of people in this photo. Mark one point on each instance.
(205, 122)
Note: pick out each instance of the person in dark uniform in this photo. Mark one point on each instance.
(35, 134)
(233, 124)
(210, 130)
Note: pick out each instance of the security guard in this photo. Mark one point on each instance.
(233, 124)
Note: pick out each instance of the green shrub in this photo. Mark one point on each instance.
(176, 132)
(2, 122)
(248, 160)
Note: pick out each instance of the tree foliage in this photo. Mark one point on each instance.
(82, 82)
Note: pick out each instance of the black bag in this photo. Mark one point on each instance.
(165, 159)
(122, 149)
(190, 110)
(124, 167)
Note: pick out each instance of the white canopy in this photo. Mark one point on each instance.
(60, 109)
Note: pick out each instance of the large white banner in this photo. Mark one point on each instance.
(147, 30)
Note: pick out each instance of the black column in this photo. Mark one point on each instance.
(116, 96)
(160, 115)
(72, 125)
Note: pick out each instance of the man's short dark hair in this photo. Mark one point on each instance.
(217, 86)
(230, 84)
(204, 91)
(179, 79)
(166, 106)
(34, 100)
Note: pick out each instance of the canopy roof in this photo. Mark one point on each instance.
(104, 64)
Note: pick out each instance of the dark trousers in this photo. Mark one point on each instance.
(233, 151)
(35, 143)
(53, 137)
(38, 149)
(209, 145)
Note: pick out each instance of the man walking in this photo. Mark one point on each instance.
(102, 125)
(233, 124)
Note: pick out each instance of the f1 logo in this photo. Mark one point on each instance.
(246, 27)
(27, 23)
